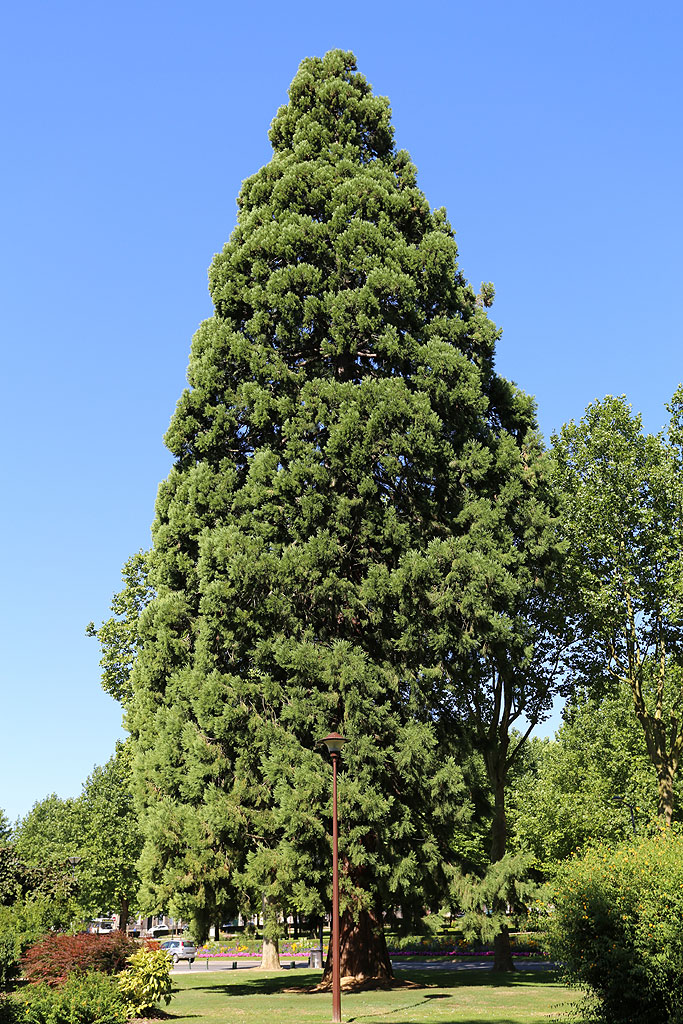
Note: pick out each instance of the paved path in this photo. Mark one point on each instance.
(451, 964)
(521, 963)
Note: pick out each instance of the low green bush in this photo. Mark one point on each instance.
(21, 924)
(10, 954)
(11, 1009)
(91, 998)
(146, 981)
(617, 925)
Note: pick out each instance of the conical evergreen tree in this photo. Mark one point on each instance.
(343, 427)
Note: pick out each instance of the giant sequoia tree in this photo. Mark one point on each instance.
(340, 452)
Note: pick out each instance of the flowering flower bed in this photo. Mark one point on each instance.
(252, 948)
(458, 952)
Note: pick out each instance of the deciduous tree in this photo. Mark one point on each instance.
(109, 838)
(100, 827)
(582, 786)
(623, 522)
(119, 636)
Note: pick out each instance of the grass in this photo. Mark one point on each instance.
(447, 997)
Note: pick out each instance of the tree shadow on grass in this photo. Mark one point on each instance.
(256, 986)
(421, 980)
(157, 1014)
(485, 978)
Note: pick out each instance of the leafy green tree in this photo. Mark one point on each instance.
(110, 840)
(119, 636)
(5, 828)
(34, 897)
(592, 783)
(355, 523)
(517, 641)
(48, 833)
(623, 522)
(100, 827)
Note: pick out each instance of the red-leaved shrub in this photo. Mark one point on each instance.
(54, 957)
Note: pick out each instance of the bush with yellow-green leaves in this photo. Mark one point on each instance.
(146, 980)
(617, 925)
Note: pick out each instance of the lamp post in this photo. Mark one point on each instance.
(334, 743)
(626, 803)
(73, 861)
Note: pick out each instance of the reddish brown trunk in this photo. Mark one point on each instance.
(363, 950)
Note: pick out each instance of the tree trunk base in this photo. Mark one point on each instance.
(364, 984)
(502, 952)
(364, 958)
(270, 957)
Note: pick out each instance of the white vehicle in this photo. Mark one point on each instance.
(102, 926)
(180, 949)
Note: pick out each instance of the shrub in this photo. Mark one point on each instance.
(21, 925)
(146, 980)
(91, 998)
(10, 953)
(618, 927)
(54, 957)
(11, 1010)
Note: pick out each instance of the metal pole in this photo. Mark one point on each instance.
(336, 981)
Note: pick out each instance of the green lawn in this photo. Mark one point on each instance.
(462, 997)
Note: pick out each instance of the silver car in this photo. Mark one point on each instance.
(180, 949)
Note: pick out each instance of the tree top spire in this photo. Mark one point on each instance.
(331, 110)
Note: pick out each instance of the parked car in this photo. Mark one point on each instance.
(180, 949)
(101, 926)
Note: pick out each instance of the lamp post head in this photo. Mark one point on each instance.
(334, 742)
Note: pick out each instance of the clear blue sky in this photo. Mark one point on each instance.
(551, 132)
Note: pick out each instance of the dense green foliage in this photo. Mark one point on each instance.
(11, 1010)
(10, 953)
(109, 838)
(48, 834)
(593, 782)
(622, 516)
(617, 927)
(496, 902)
(119, 636)
(146, 981)
(355, 536)
(100, 827)
(20, 880)
(33, 899)
(91, 998)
